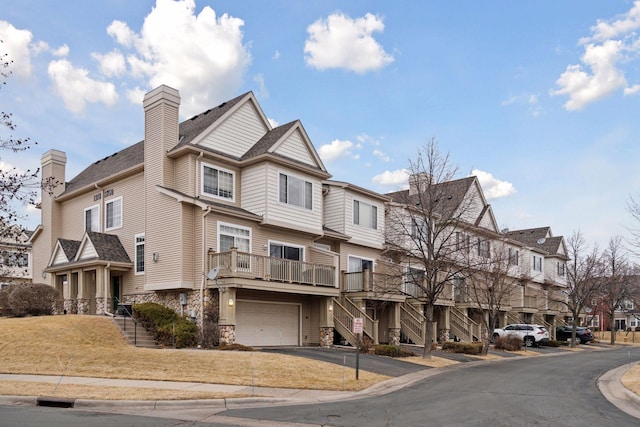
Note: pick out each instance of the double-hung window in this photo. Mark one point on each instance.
(483, 248)
(537, 263)
(217, 182)
(113, 215)
(233, 236)
(561, 269)
(92, 218)
(139, 253)
(296, 191)
(514, 255)
(365, 215)
(284, 251)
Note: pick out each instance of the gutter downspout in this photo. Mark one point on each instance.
(204, 260)
(106, 294)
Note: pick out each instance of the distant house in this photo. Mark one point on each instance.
(15, 256)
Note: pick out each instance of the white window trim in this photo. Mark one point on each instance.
(229, 224)
(84, 218)
(106, 203)
(304, 180)
(366, 203)
(213, 196)
(276, 242)
(349, 256)
(135, 254)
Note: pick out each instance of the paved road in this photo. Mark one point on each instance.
(540, 391)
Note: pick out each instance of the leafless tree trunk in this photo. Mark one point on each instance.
(491, 283)
(584, 270)
(422, 225)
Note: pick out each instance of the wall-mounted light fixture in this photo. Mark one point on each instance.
(155, 256)
(44, 275)
(230, 302)
(330, 307)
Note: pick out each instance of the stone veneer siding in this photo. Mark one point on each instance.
(227, 334)
(394, 336)
(326, 337)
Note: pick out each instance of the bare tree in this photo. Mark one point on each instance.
(422, 225)
(617, 286)
(584, 270)
(16, 187)
(491, 283)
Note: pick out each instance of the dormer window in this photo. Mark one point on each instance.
(365, 215)
(217, 182)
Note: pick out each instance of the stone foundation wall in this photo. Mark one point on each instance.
(394, 336)
(171, 299)
(227, 334)
(83, 306)
(70, 306)
(100, 306)
(326, 337)
(443, 335)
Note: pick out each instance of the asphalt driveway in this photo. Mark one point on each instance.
(390, 366)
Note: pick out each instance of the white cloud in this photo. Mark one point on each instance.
(632, 90)
(584, 88)
(611, 44)
(263, 92)
(528, 100)
(398, 178)
(335, 150)
(136, 95)
(76, 88)
(341, 42)
(201, 55)
(276, 55)
(381, 155)
(111, 64)
(493, 188)
(625, 24)
(61, 52)
(15, 43)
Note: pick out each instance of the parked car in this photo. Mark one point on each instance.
(531, 335)
(583, 333)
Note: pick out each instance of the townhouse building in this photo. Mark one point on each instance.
(224, 217)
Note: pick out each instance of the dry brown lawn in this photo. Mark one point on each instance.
(89, 346)
(623, 338)
(631, 379)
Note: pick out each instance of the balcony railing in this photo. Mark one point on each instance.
(250, 266)
(368, 281)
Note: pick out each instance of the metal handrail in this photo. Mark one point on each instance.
(135, 322)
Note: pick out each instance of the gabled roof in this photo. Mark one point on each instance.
(540, 238)
(94, 247)
(454, 193)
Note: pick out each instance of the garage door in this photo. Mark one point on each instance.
(267, 324)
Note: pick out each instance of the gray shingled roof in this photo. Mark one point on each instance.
(531, 236)
(267, 141)
(453, 191)
(134, 155)
(108, 247)
(69, 247)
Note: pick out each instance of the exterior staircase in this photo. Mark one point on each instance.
(463, 327)
(134, 333)
(344, 311)
(412, 323)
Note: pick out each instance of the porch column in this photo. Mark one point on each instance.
(227, 315)
(326, 322)
(101, 291)
(394, 324)
(444, 324)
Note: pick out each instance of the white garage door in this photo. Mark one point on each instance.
(264, 324)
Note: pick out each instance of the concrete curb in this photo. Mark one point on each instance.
(611, 387)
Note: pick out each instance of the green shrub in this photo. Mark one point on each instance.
(508, 343)
(391, 351)
(166, 326)
(462, 347)
(28, 299)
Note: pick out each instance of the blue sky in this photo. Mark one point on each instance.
(539, 99)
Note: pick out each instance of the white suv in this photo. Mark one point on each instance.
(530, 334)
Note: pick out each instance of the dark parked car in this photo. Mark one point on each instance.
(583, 333)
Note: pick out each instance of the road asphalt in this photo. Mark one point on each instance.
(609, 383)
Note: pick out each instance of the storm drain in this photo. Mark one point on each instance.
(55, 402)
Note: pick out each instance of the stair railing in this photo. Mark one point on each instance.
(130, 314)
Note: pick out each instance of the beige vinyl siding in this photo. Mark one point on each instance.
(60, 257)
(362, 235)
(238, 133)
(487, 222)
(295, 148)
(334, 209)
(185, 174)
(261, 195)
(87, 251)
